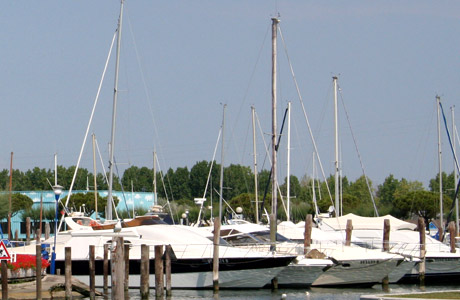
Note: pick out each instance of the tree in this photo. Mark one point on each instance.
(19, 202)
(422, 203)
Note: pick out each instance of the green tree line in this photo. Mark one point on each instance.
(399, 197)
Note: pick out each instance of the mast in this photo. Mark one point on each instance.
(336, 162)
(288, 179)
(155, 176)
(95, 176)
(275, 22)
(10, 236)
(454, 129)
(441, 220)
(221, 184)
(114, 113)
(256, 188)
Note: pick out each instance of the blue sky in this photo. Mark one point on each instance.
(181, 60)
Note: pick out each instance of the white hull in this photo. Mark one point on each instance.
(250, 278)
(356, 273)
(302, 273)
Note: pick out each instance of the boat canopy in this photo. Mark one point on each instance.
(363, 223)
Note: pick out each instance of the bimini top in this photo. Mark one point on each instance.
(362, 223)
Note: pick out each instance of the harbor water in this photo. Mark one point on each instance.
(291, 294)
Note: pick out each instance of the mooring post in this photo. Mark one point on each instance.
(28, 231)
(307, 234)
(386, 248)
(92, 272)
(168, 252)
(159, 273)
(145, 270)
(47, 230)
(4, 280)
(215, 255)
(68, 272)
(105, 268)
(126, 267)
(421, 270)
(38, 236)
(348, 231)
(452, 233)
(118, 268)
(38, 270)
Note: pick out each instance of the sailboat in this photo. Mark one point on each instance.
(192, 266)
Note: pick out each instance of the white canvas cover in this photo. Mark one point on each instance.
(362, 223)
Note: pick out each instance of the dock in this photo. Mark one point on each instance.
(53, 286)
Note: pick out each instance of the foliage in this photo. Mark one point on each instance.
(86, 202)
(422, 203)
(19, 202)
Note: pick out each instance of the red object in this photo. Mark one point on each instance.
(27, 261)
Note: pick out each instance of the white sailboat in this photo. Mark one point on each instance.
(192, 266)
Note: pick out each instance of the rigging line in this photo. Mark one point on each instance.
(209, 176)
(271, 169)
(102, 162)
(89, 125)
(449, 137)
(358, 153)
(267, 154)
(162, 176)
(122, 191)
(251, 78)
(167, 200)
(144, 83)
(306, 117)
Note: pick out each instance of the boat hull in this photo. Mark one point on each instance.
(197, 273)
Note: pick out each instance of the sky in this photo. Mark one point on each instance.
(182, 61)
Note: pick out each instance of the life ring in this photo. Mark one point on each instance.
(92, 223)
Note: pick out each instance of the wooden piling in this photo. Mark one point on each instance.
(386, 235)
(38, 236)
(118, 268)
(68, 272)
(421, 271)
(272, 232)
(92, 272)
(28, 231)
(452, 233)
(348, 231)
(16, 235)
(168, 252)
(386, 248)
(307, 234)
(4, 280)
(215, 255)
(47, 230)
(159, 272)
(38, 270)
(145, 268)
(105, 268)
(126, 267)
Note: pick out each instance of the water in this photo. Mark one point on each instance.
(291, 294)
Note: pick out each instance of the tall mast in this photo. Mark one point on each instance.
(114, 114)
(155, 176)
(221, 184)
(441, 220)
(336, 162)
(275, 22)
(95, 176)
(288, 179)
(454, 129)
(256, 188)
(10, 236)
